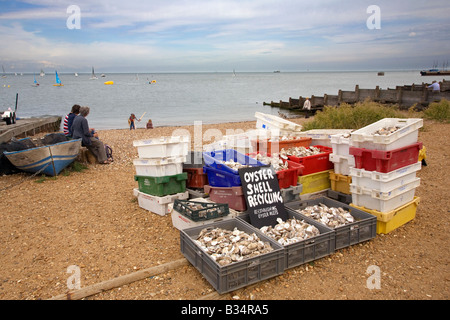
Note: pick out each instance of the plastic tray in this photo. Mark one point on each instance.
(194, 159)
(340, 182)
(339, 196)
(274, 146)
(309, 249)
(363, 229)
(163, 147)
(204, 210)
(155, 204)
(389, 221)
(315, 163)
(384, 201)
(272, 122)
(288, 177)
(384, 182)
(386, 161)
(342, 164)
(406, 135)
(315, 182)
(158, 167)
(215, 160)
(220, 178)
(238, 274)
(291, 193)
(233, 196)
(322, 137)
(340, 143)
(196, 177)
(162, 186)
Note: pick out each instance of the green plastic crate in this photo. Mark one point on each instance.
(162, 186)
(201, 211)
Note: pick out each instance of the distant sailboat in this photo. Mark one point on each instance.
(4, 74)
(76, 74)
(58, 81)
(42, 73)
(36, 84)
(93, 76)
(234, 73)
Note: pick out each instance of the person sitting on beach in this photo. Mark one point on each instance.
(68, 120)
(131, 120)
(307, 107)
(149, 124)
(89, 138)
(435, 86)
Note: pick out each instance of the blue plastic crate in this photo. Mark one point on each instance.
(220, 178)
(214, 159)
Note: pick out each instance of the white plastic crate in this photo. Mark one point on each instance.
(159, 167)
(161, 147)
(269, 122)
(385, 201)
(322, 137)
(158, 205)
(407, 134)
(340, 143)
(383, 182)
(342, 164)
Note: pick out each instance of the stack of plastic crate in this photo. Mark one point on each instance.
(342, 161)
(384, 178)
(159, 172)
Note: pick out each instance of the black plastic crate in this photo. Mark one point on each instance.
(339, 196)
(201, 211)
(306, 250)
(238, 274)
(363, 229)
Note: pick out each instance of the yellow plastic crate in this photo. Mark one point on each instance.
(315, 181)
(388, 221)
(340, 182)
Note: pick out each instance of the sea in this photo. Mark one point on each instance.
(179, 99)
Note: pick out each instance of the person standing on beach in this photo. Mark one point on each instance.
(435, 86)
(131, 120)
(68, 120)
(307, 107)
(89, 139)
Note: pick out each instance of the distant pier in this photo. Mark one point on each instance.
(29, 127)
(404, 96)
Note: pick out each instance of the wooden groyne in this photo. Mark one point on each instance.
(403, 96)
(29, 127)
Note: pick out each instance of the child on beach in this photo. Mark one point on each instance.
(149, 124)
(131, 120)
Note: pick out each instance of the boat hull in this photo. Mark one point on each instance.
(49, 160)
(435, 73)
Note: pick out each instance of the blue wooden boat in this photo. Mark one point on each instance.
(47, 159)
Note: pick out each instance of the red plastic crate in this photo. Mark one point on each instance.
(316, 163)
(233, 196)
(385, 161)
(265, 145)
(196, 178)
(288, 177)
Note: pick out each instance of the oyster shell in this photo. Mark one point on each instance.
(228, 246)
(330, 216)
(290, 231)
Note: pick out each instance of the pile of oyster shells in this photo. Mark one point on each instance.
(284, 138)
(234, 165)
(299, 152)
(290, 231)
(332, 217)
(274, 160)
(386, 130)
(226, 246)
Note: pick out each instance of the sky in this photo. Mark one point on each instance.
(223, 35)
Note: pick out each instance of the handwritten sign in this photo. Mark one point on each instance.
(262, 195)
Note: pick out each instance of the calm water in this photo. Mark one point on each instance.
(181, 99)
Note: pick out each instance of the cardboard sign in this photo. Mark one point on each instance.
(262, 195)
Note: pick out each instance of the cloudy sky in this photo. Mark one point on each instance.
(222, 35)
